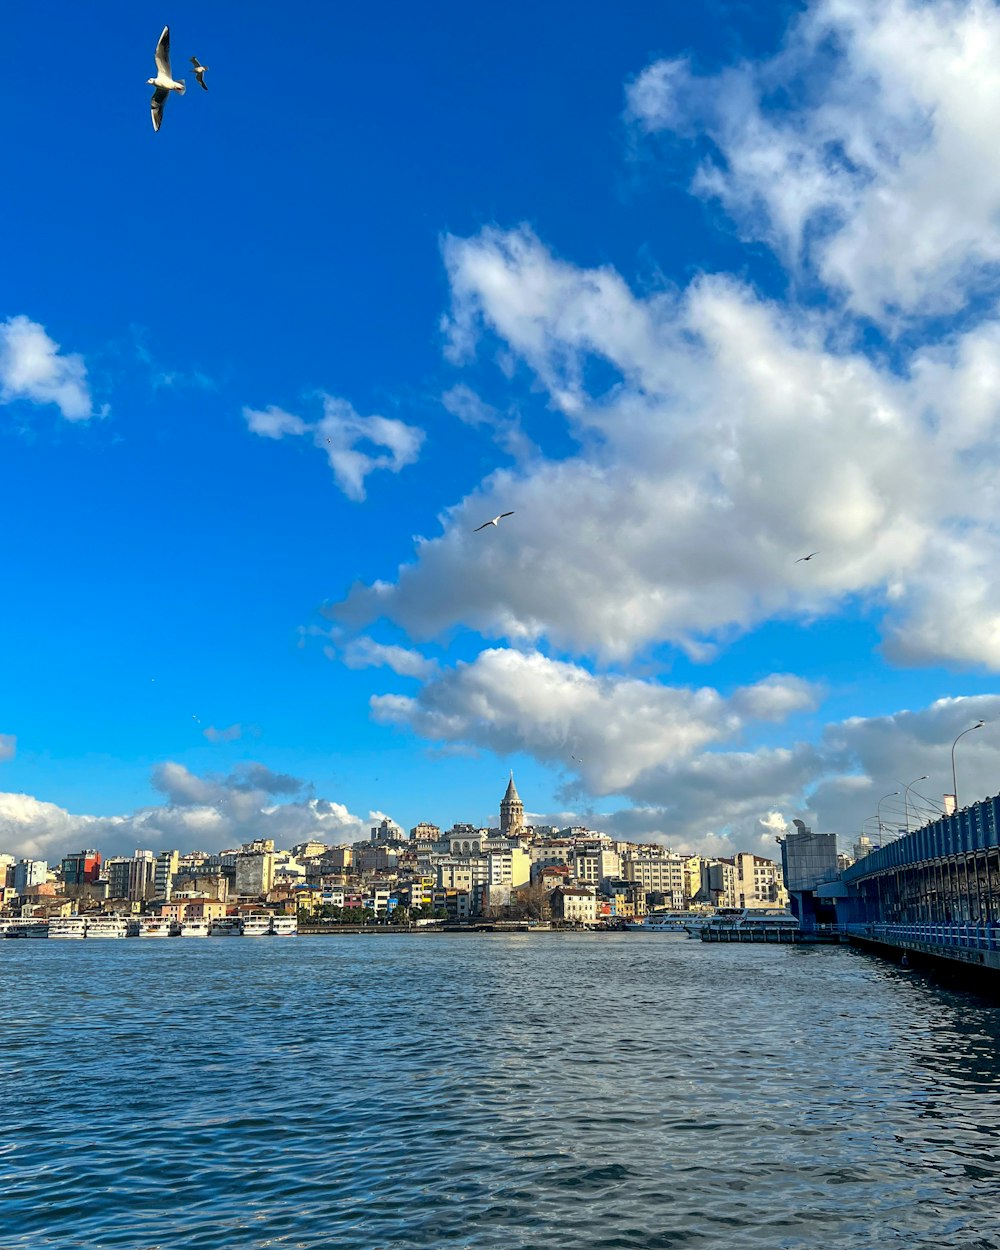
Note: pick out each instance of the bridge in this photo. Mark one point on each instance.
(936, 890)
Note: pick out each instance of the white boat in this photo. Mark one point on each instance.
(257, 924)
(30, 928)
(753, 918)
(226, 926)
(107, 927)
(284, 926)
(68, 927)
(195, 928)
(672, 923)
(157, 927)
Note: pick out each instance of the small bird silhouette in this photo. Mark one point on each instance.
(808, 557)
(577, 758)
(199, 73)
(494, 522)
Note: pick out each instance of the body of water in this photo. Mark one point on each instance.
(522, 1092)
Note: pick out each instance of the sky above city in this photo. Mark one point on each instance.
(692, 290)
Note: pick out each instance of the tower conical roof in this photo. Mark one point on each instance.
(512, 793)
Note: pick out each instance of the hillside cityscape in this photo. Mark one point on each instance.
(512, 871)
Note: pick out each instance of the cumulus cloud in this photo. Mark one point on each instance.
(367, 653)
(618, 728)
(33, 368)
(201, 813)
(8, 746)
(866, 145)
(720, 801)
(350, 441)
(740, 433)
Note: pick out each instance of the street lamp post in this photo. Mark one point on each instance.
(878, 812)
(906, 795)
(954, 779)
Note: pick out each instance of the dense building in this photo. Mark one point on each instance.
(132, 877)
(82, 868)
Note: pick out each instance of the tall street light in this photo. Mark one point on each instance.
(954, 779)
(906, 795)
(878, 812)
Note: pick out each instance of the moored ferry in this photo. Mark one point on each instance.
(226, 926)
(107, 927)
(257, 924)
(157, 927)
(672, 923)
(284, 926)
(195, 928)
(753, 918)
(14, 927)
(68, 927)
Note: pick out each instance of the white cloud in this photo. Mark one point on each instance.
(231, 733)
(201, 813)
(868, 144)
(32, 368)
(344, 432)
(463, 402)
(719, 801)
(740, 435)
(273, 422)
(8, 746)
(347, 439)
(616, 727)
(366, 653)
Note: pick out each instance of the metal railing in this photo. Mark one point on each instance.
(983, 937)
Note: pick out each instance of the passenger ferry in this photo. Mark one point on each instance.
(13, 927)
(226, 926)
(257, 924)
(284, 926)
(68, 927)
(107, 927)
(195, 928)
(157, 927)
(672, 923)
(753, 918)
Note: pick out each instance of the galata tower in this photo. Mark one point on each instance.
(511, 811)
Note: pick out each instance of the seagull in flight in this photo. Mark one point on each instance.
(808, 557)
(199, 73)
(164, 81)
(495, 522)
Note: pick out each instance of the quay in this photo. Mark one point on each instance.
(821, 934)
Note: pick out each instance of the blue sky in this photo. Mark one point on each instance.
(693, 289)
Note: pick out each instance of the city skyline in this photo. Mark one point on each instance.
(683, 308)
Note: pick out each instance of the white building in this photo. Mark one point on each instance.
(29, 873)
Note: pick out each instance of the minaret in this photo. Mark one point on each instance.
(511, 811)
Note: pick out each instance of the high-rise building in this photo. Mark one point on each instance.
(255, 868)
(132, 877)
(511, 811)
(28, 873)
(167, 863)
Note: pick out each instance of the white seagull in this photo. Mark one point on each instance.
(163, 82)
(495, 522)
(199, 73)
(808, 557)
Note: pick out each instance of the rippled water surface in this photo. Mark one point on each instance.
(533, 1091)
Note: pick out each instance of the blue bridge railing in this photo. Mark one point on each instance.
(983, 937)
